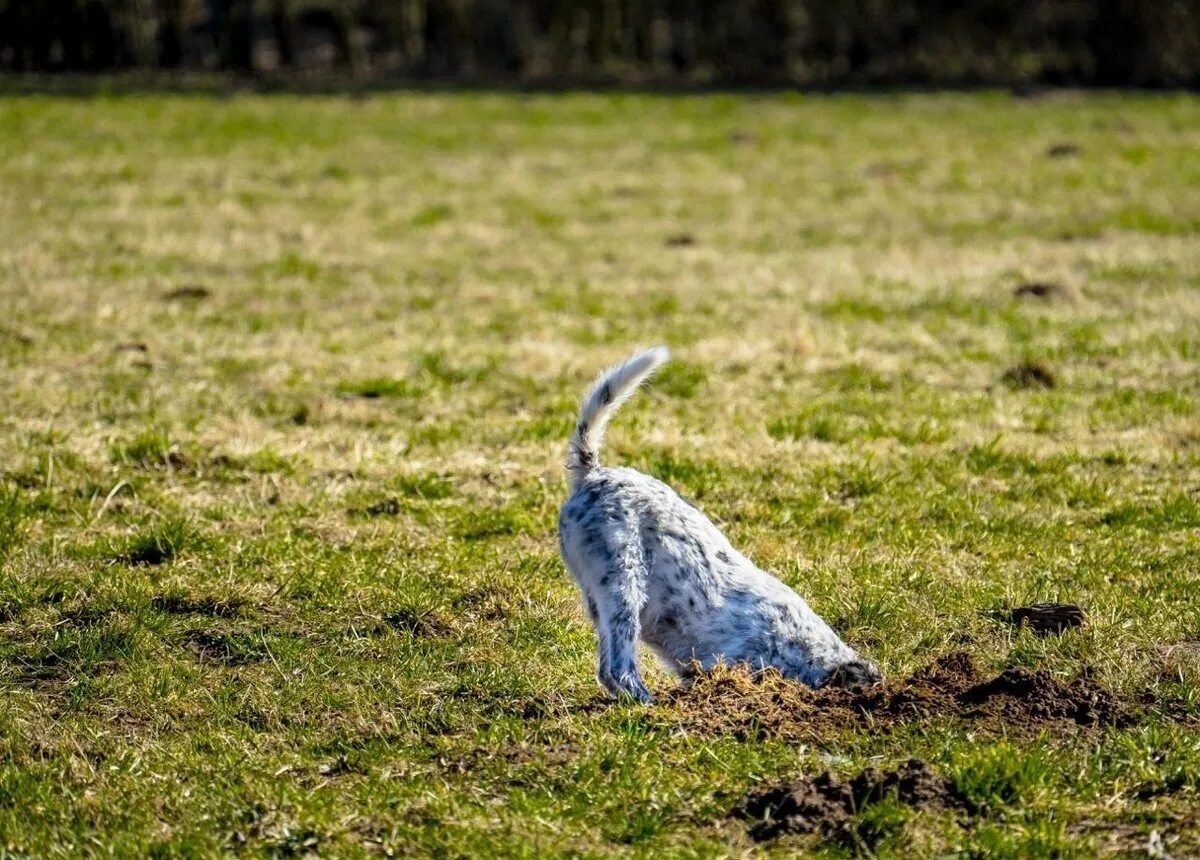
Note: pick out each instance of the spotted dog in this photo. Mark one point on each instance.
(651, 565)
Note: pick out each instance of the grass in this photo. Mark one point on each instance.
(287, 381)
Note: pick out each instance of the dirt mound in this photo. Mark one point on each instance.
(1025, 697)
(733, 701)
(824, 804)
(1030, 374)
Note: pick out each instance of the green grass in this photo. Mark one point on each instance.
(277, 561)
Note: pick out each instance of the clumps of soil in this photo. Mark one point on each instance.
(736, 702)
(1046, 619)
(417, 622)
(187, 292)
(1062, 149)
(825, 804)
(1029, 374)
(1046, 290)
(1026, 697)
(680, 240)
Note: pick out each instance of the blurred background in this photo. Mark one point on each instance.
(818, 43)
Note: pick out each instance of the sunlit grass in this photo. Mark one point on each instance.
(287, 381)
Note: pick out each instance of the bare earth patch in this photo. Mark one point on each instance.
(825, 804)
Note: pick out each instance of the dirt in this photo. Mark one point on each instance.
(733, 701)
(193, 292)
(680, 240)
(418, 622)
(825, 804)
(1046, 619)
(1027, 697)
(1029, 374)
(1062, 150)
(1041, 290)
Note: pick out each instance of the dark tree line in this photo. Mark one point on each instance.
(816, 42)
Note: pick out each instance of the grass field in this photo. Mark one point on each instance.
(287, 381)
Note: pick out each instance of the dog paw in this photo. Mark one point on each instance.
(641, 696)
(629, 688)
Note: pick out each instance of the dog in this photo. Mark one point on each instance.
(652, 566)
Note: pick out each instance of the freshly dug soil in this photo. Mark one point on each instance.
(1047, 618)
(733, 701)
(824, 804)
(1032, 698)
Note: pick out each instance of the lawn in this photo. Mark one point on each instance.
(287, 382)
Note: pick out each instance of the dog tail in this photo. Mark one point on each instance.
(612, 388)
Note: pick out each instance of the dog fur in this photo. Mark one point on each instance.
(652, 566)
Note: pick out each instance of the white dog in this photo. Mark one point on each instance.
(651, 565)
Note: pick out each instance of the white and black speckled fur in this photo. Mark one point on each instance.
(651, 565)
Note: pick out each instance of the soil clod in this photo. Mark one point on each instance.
(1041, 290)
(1029, 374)
(1062, 149)
(187, 292)
(1047, 619)
(681, 240)
(825, 803)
